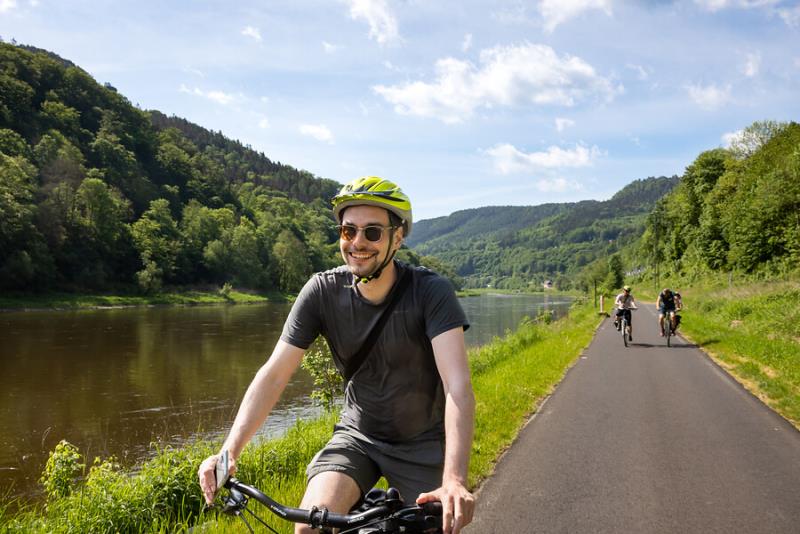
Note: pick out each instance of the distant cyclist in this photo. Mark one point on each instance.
(678, 307)
(624, 304)
(667, 304)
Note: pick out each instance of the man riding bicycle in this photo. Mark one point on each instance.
(625, 303)
(667, 304)
(409, 407)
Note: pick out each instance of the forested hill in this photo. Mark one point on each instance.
(736, 209)
(520, 247)
(96, 193)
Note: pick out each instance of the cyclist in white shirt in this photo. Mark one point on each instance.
(624, 304)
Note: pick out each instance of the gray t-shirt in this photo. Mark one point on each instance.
(397, 393)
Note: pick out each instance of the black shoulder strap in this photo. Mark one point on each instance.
(354, 364)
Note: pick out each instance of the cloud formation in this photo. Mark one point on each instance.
(252, 32)
(320, 132)
(752, 64)
(563, 124)
(507, 76)
(7, 5)
(381, 20)
(709, 97)
(717, 5)
(555, 12)
(509, 159)
(216, 96)
(557, 185)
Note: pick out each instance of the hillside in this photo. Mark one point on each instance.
(98, 194)
(735, 210)
(517, 247)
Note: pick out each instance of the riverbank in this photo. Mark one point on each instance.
(177, 297)
(511, 377)
(750, 328)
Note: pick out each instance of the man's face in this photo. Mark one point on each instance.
(361, 255)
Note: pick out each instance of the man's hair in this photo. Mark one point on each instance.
(394, 219)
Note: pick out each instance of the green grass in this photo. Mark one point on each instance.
(753, 332)
(178, 297)
(511, 376)
(750, 326)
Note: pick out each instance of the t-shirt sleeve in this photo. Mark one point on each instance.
(443, 312)
(304, 322)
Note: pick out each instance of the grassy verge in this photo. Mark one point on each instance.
(61, 301)
(753, 332)
(750, 327)
(511, 376)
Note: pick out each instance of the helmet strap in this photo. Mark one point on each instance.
(377, 272)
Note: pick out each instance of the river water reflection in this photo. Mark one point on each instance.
(114, 381)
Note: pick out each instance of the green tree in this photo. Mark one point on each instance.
(158, 242)
(292, 261)
(616, 275)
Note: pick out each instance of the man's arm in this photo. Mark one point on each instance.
(262, 394)
(459, 420)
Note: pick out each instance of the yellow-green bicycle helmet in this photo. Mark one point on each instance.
(375, 191)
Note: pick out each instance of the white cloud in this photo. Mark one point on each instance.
(752, 63)
(466, 44)
(250, 31)
(390, 66)
(791, 16)
(329, 48)
(196, 72)
(263, 123)
(717, 5)
(509, 159)
(381, 20)
(7, 5)
(507, 76)
(216, 96)
(709, 97)
(556, 12)
(641, 72)
(731, 137)
(557, 185)
(511, 15)
(563, 124)
(320, 132)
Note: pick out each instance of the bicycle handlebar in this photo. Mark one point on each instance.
(393, 509)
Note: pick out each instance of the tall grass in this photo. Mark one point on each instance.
(752, 331)
(510, 376)
(749, 325)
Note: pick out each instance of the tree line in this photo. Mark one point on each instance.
(735, 209)
(98, 194)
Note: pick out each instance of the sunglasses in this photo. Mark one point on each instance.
(373, 233)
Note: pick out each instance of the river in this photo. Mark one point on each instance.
(114, 381)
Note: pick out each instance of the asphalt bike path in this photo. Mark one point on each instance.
(646, 439)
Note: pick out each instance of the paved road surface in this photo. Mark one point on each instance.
(646, 439)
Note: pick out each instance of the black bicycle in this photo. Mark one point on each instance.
(625, 326)
(669, 331)
(381, 512)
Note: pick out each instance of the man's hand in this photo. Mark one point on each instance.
(458, 505)
(207, 476)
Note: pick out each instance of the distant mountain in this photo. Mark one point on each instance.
(515, 247)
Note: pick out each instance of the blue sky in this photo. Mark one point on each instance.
(463, 103)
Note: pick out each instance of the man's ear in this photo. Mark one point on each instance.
(398, 237)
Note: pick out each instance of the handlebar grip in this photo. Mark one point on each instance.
(432, 508)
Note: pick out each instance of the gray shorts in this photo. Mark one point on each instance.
(413, 467)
